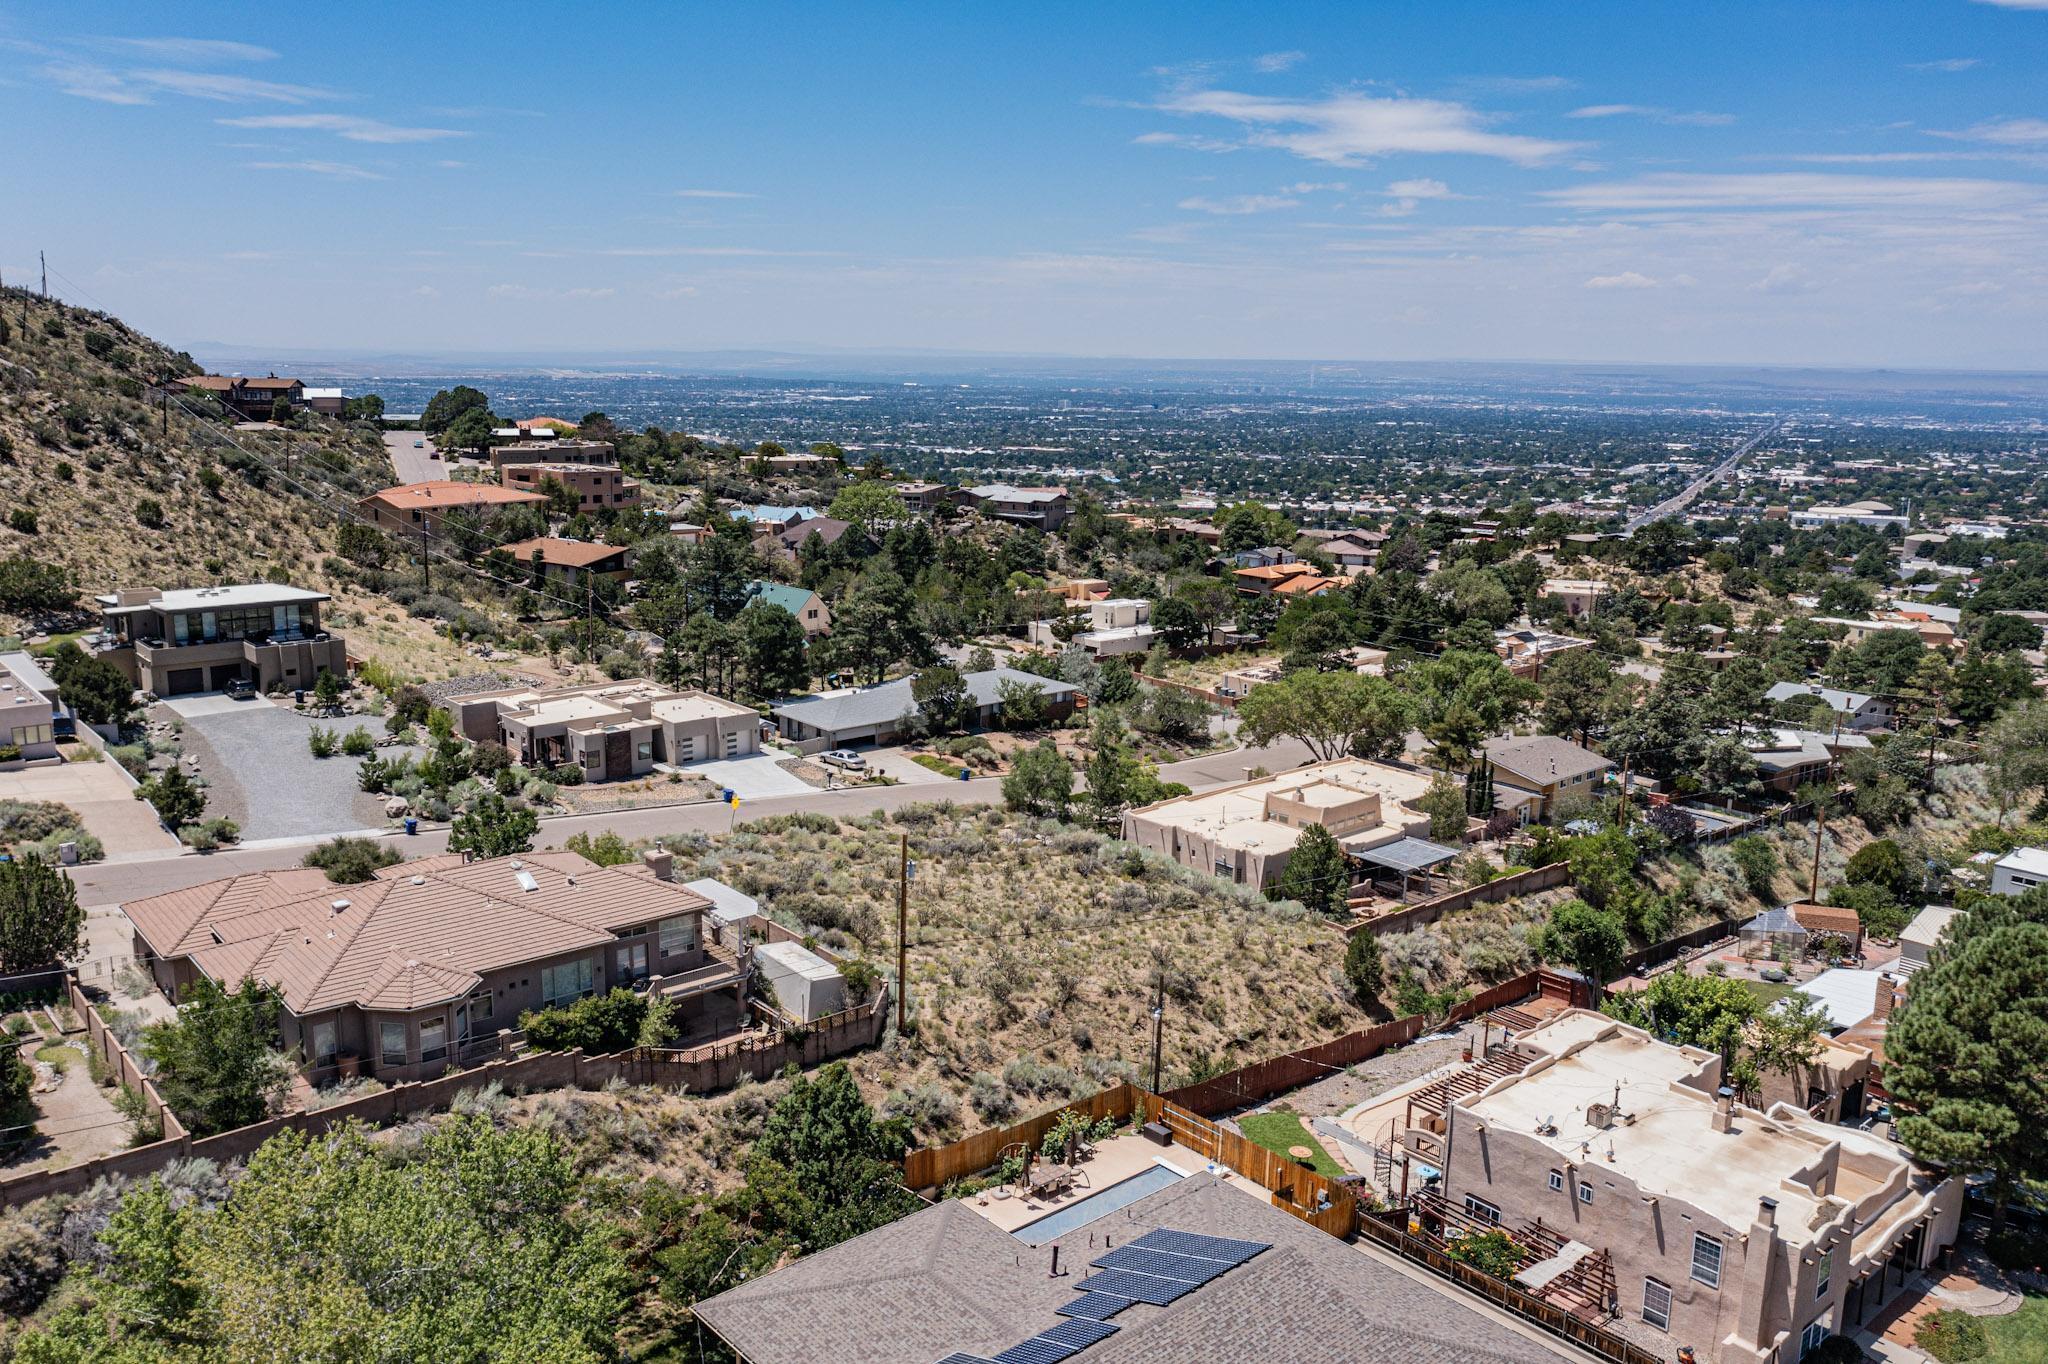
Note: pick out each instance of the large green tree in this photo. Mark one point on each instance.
(1591, 941)
(1317, 874)
(96, 691)
(476, 1245)
(217, 1063)
(1462, 696)
(1965, 1051)
(1575, 691)
(492, 828)
(449, 403)
(772, 650)
(1334, 713)
(1040, 781)
(838, 1157)
(40, 921)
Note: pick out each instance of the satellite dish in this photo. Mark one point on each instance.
(1599, 1115)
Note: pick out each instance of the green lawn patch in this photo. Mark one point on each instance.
(1769, 992)
(56, 642)
(58, 1055)
(2022, 1335)
(950, 766)
(1278, 1132)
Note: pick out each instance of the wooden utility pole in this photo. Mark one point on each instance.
(426, 570)
(1932, 731)
(1625, 801)
(902, 926)
(1820, 824)
(1158, 1026)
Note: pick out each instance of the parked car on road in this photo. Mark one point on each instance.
(844, 757)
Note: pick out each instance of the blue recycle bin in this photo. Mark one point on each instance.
(412, 825)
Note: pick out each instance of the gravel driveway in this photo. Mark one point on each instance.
(260, 774)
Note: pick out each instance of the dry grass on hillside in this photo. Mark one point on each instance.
(1034, 947)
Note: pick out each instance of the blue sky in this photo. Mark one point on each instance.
(1826, 184)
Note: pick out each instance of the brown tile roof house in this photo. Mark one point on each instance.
(411, 507)
(945, 1280)
(430, 951)
(566, 559)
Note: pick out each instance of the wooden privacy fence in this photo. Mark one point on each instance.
(1322, 1203)
(1528, 1306)
(1429, 911)
(1262, 1079)
(935, 1166)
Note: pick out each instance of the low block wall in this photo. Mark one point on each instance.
(1429, 911)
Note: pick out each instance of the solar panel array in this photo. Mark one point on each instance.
(1158, 1268)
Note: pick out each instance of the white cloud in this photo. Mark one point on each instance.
(521, 291)
(196, 49)
(1947, 64)
(1315, 187)
(1627, 279)
(1654, 113)
(1515, 85)
(1188, 140)
(2006, 132)
(88, 81)
(229, 89)
(713, 194)
(1783, 279)
(2016, 4)
(347, 126)
(1272, 63)
(1419, 189)
(339, 170)
(1349, 128)
(1237, 204)
(1793, 189)
(427, 291)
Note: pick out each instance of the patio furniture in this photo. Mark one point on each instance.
(1051, 1178)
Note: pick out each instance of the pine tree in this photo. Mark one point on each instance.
(1317, 873)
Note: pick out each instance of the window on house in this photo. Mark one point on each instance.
(1482, 1210)
(391, 1043)
(1706, 1259)
(24, 735)
(632, 961)
(572, 980)
(1557, 1181)
(433, 1038)
(1811, 1338)
(1585, 1192)
(646, 750)
(325, 1045)
(679, 935)
(1824, 1272)
(1657, 1304)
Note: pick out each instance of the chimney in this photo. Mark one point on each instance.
(661, 862)
(1724, 1111)
(1767, 1212)
(1887, 996)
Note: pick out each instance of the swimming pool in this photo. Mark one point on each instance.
(1101, 1204)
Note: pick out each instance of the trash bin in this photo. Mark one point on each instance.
(963, 774)
(412, 825)
(726, 795)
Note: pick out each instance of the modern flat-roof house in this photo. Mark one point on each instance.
(807, 606)
(566, 561)
(2019, 871)
(923, 498)
(946, 1285)
(253, 399)
(1581, 596)
(543, 445)
(414, 509)
(887, 713)
(1045, 508)
(1528, 651)
(28, 713)
(173, 641)
(1750, 1236)
(598, 487)
(328, 402)
(404, 975)
(1532, 773)
(1874, 514)
(611, 730)
(1855, 710)
(1246, 832)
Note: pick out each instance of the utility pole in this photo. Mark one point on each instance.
(1932, 731)
(45, 263)
(1158, 1025)
(902, 926)
(426, 569)
(1625, 802)
(1820, 824)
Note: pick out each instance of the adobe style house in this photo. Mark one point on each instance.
(807, 606)
(404, 975)
(597, 487)
(611, 730)
(1750, 1236)
(415, 509)
(1045, 508)
(923, 498)
(1532, 774)
(1246, 832)
(541, 446)
(28, 709)
(251, 399)
(173, 641)
(566, 561)
(1581, 596)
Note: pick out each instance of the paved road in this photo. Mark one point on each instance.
(112, 882)
(1671, 506)
(413, 466)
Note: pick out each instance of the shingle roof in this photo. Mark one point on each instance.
(445, 492)
(418, 933)
(785, 595)
(944, 1279)
(564, 553)
(1544, 758)
(891, 700)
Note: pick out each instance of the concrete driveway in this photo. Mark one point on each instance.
(895, 762)
(104, 800)
(751, 778)
(260, 774)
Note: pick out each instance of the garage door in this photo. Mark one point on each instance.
(225, 673)
(183, 681)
